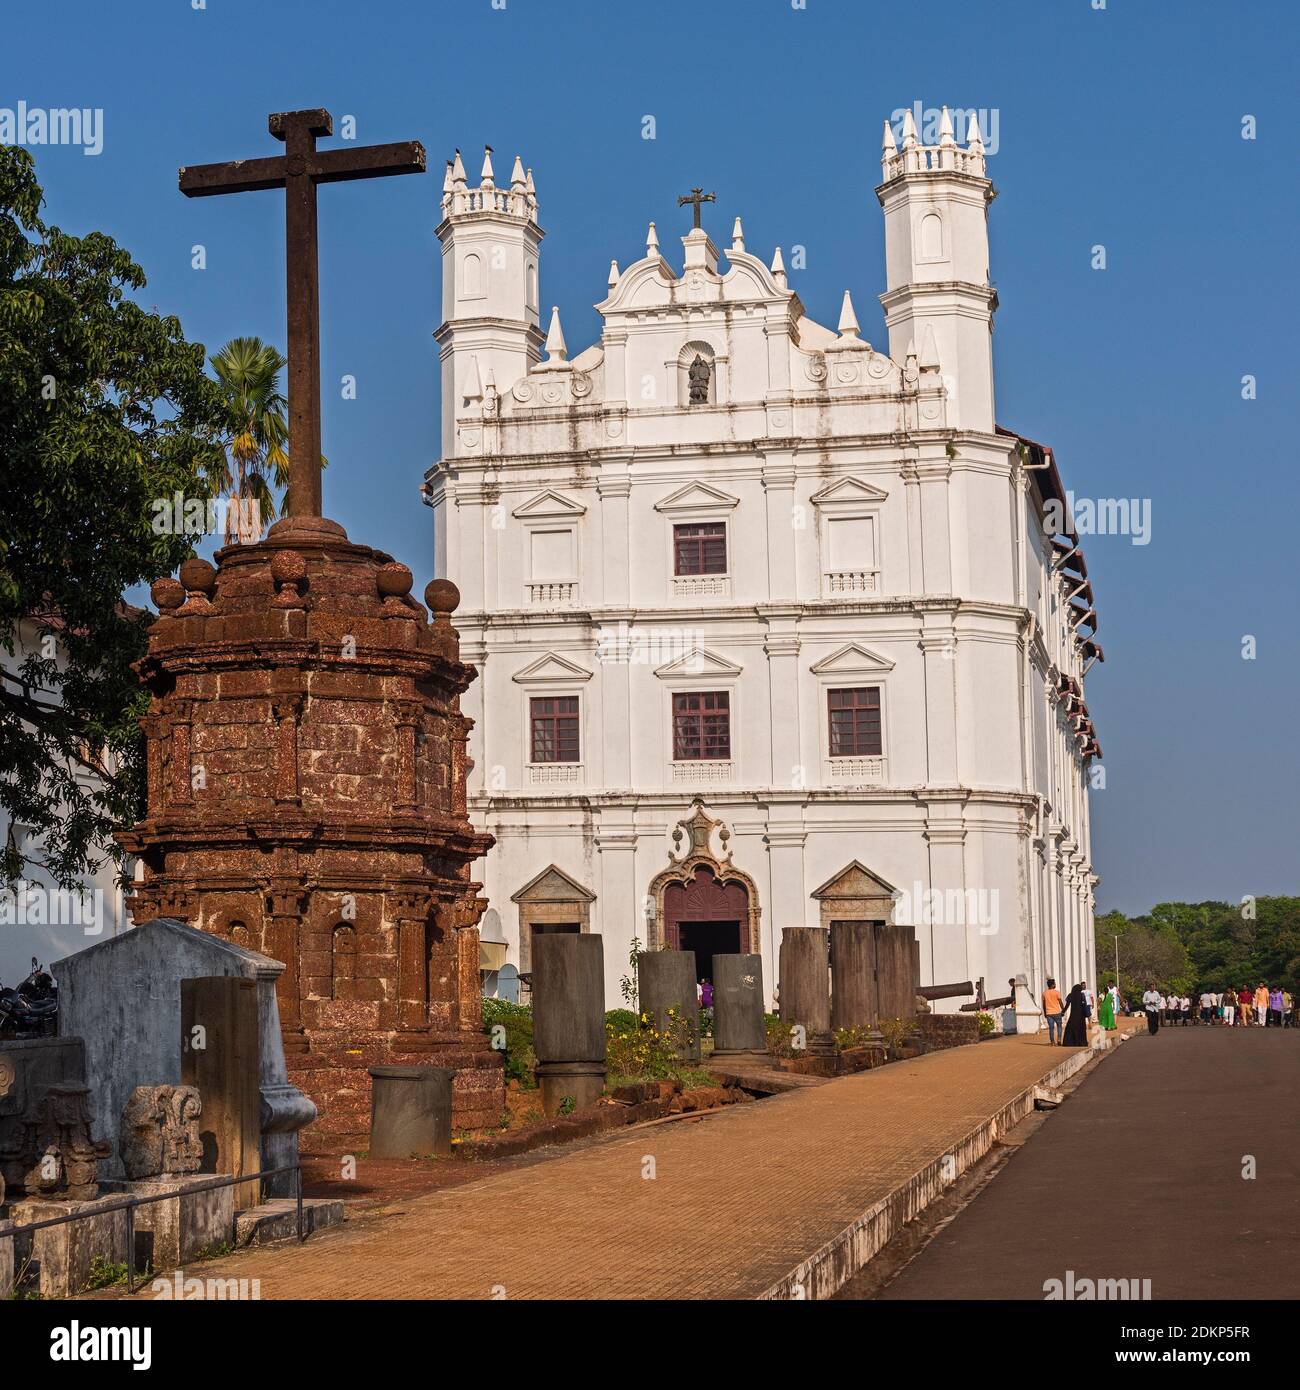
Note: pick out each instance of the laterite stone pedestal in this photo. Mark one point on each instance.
(306, 770)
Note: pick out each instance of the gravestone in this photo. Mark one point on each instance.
(569, 1017)
(666, 981)
(221, 1058)
(122, 997)
(739, 1027)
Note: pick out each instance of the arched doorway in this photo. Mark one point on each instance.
(706, 915)
(703, 903)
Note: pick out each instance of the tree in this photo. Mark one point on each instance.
(104, 409)
(248, 371)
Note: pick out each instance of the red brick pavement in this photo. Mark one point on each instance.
(737, 1199)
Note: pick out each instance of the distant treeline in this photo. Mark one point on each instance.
(1193, 947)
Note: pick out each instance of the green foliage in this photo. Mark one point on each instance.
(516, 1021)
(628, 984)
(643, 1052)
(622, 1019)
(104, 407)
(256, 450)
(896, 1031)
(987, 1025)
(857, 1036)
(104, 1274)
(566, 1106)
(1191, 947)
(779, 1042)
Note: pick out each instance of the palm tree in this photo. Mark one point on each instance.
(256, 453)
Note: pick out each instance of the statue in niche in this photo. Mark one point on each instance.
(699, 374)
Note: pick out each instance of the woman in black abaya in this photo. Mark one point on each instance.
(1076, 1029)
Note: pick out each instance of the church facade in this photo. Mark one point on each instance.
(769, 629)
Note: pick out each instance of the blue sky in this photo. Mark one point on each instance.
(1119, 126)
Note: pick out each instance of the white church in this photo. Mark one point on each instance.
(768, 628)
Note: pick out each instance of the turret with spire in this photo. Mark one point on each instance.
(491, 253)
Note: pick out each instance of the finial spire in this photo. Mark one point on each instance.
(945, 128)
(848, 324)
(613, 274)
(486, 175)
(928, 360)
(457, 172)
(974, 141)
(556, 350)
(909, 129)
(737, 236)
(887, 143)
(778, 268)
(652, 241)
(518, 184)
(473, 383)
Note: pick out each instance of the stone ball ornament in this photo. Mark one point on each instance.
(394, 579)
(167, 593)
(441, 597)
(198, 576)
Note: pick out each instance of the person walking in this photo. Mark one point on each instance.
(1207, 1006)
(1052, 1011)
(1275, 1008)
(1151, 1002)
(1288, 1008)
(1261, 1005)
(1185, 1011)
(1106, 1014)
(1246, 1003)
(1229, 1007)
(1076, 1028)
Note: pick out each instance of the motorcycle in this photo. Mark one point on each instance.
(31, 1010)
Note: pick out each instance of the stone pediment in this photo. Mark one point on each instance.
(855, 881)
(697, 662)
(551, 668)
(548, 504)
(696, 497)
(852, 659)
(552, 885)
(848, 490)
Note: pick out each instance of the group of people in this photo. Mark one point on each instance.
(1067, 1019)
(1232, 1008)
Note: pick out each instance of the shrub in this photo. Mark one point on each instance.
(642, 1052)
(987, 1024)
(622, 1020)
(779, 1042)
(896, 1031)
(860, 1035)
(517, 1022)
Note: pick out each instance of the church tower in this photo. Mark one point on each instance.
(938, 301)
(490, 256)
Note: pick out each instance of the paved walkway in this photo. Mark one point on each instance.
(1140, 1176)
(737, 1199)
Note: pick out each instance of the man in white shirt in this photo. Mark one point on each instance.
(1185, 1007)
(1152, 1003)
(1207, 1007)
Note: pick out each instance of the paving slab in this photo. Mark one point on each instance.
(729, 1206)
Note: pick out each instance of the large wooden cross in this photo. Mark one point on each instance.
(298, 171)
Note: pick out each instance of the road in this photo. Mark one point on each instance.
(1140, 1175)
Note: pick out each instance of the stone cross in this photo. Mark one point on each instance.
(696, 196)
(298, 171)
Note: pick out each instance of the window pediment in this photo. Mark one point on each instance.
(849, 492)
(697, 497)
(853, 660)
(548, 504)
(551, 669)
(697, 663)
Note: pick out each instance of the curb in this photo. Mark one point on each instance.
(829, 1268)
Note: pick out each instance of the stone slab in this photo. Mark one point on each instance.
(278, 1219)
(177, 1231)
